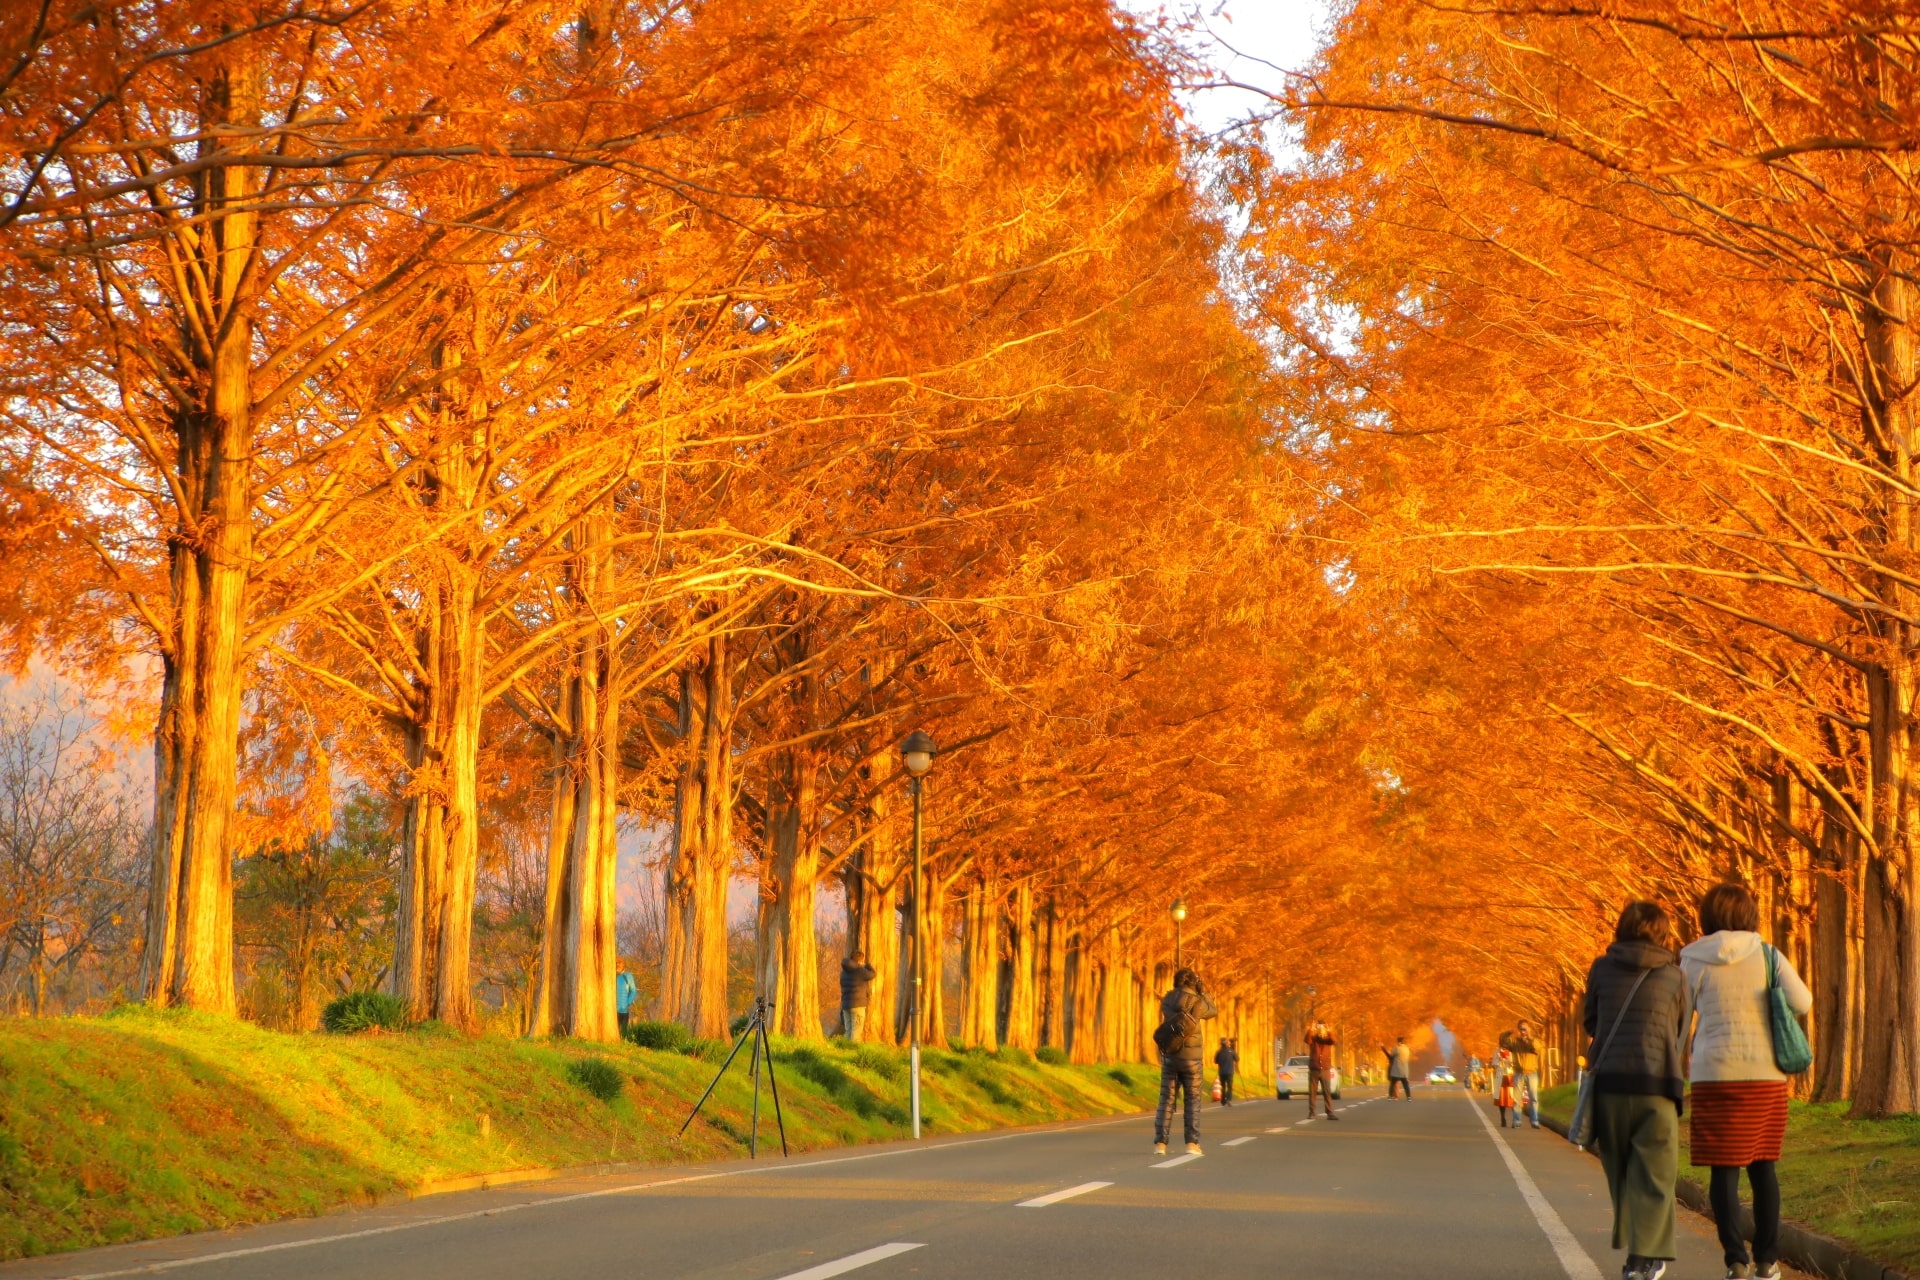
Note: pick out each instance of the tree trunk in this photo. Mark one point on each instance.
(1888, 1073)
(1833, 978)
(545, 993)
(873, 909)
(1022, 1023)
(1053, 990)
(980, 965)
(790, 951)
(933, 971)
(578, 954)
(189, 953)
(693, 987)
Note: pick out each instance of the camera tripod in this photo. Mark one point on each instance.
(755, 1030)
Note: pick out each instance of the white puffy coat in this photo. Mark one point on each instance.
(1732, 1034)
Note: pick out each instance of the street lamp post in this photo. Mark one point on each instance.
(917, 753)
(1179, 914)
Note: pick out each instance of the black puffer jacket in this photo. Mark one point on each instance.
(1647, 1054)
(1196, 1003)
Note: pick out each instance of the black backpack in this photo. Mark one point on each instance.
(1172, 1035)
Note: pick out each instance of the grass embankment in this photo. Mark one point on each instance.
(151, 1123)
(1857, 1181)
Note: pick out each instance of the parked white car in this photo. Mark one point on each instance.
(1292, 1078)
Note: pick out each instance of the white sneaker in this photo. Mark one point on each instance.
(1193, 1148)
(1159, 1148)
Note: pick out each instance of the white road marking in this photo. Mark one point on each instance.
(1238, 1141)
(174, 1264)
(1282, 1129)
(1055, 1197)
(853, 1262)
(1168, 1164)
(1573, 1259)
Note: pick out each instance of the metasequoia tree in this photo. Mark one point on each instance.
(1674, 247)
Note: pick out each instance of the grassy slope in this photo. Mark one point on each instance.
(1855, 1180)
(150, 1123)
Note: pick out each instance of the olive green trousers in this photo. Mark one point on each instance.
(1637, 1137)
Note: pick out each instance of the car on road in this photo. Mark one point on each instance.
(1441, 1075)
(1291, 1078)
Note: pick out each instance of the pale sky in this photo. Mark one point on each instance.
(1284, 33)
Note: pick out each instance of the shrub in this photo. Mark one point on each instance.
(365, 1011)
(1126, 1081)
(1013, 1053)
(804, 1061)
(888, 1066)
(738, 1025)
(1051, 1056)
(666, 1037)
(598, 1077)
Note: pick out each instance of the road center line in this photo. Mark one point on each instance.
(1168, 1164)
(1573, 1259)
(1238, 1141)
(1055, 1197)
(853, 1262)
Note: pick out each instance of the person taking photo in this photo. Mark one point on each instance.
(1181, 1043)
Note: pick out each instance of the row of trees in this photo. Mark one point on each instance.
(1606, 317)
(639, 416)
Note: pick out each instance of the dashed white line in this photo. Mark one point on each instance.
(853, 1262)
(1055, 1197)
(1168, 1164)
(1236, 1142)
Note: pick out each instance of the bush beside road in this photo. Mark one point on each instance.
(156, 1122)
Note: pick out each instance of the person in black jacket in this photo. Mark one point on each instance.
(856, 993)
(1186, 1005)
(1636, 1013)
(1226, 1062)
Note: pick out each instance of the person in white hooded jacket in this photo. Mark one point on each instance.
(1739, 1097)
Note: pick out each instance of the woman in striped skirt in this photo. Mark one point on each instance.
(1739, 1097)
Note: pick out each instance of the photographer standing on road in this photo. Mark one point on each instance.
(1226, 1063)
(1526, 1068)
(1181, 1042)
(1320, 1042)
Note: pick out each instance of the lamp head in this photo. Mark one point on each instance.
(917, 752)
(1179, 908)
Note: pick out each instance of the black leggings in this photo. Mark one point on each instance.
(1725, 1194)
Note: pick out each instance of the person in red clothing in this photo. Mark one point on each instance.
(1320, 1067)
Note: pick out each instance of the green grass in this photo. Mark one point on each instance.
(151, 1123)
(1855, 1180)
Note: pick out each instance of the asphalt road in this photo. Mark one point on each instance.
(1427, 1188)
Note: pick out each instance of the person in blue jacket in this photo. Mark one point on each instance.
(625, 992)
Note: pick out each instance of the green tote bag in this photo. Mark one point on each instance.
(1791, 1053)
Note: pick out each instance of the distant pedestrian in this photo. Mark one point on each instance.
(1636, 1013)
(1320, 1068)
(625, 992)
(856, 992)
(1226, 1063)
(1399, 1068)
(1503, 1088)
(1181, 1042)
(1526, 1068)
(1739, 1094)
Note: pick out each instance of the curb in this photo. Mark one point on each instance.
(1805, 1250)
